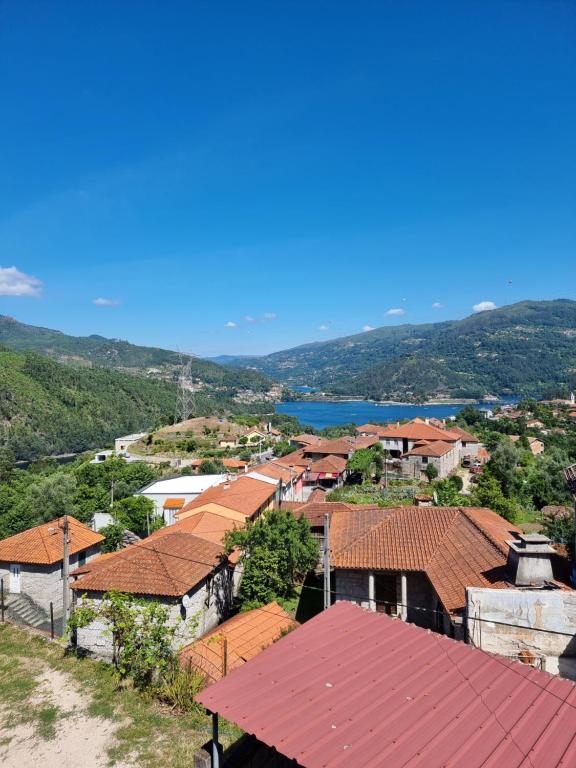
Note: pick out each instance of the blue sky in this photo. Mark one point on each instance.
(243, 177)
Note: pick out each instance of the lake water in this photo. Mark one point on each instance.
(320, 414)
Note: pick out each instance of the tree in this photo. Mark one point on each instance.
(141, 635)
(211, 467)
(368, 462)
(113, 537)
(502, 466)
(278, 550)
(431, 472)
(137, 514)
(446, 493)
(488, 493)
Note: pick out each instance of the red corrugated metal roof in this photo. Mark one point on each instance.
(353, 689)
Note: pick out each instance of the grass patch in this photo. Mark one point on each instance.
(46, 718)
(149, 733)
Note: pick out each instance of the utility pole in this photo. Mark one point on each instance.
(65, 572)
(570, 475)
(327, 595)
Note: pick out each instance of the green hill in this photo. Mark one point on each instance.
(524, 348)
(115, 353)
(49, 408)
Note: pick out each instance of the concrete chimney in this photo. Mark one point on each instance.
(529, 560)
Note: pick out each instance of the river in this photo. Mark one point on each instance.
(322, 413)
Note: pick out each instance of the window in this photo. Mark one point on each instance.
(424, 459)
(82, 559)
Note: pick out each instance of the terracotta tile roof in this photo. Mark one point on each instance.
(296, 459)
(169, 565)
(174, 503)
(467, 437)
(246, 635)
(245, 495)
(330, 464)
(436, 449)
(204, 524)
(419, 431)
(370, 429)
(356, 689)
(342, 446)
(43, 544)
(279, 471)
(314, 511)
(306, 439)
(365, 441)
(456, 547)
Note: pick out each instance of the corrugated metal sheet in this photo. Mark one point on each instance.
(352, 688)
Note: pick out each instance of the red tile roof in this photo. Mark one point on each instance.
(245, 495)
(419, 431)
(43, 544)
(246, 634)
(169, 565)
(355, 689)
(331, 464)
(204, 524)
(279, 471)
(455, 547)
(341, 446)
(436, 449)
(466, 437)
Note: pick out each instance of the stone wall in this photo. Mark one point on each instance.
(43, 583)
(490, 610)
(203, 608)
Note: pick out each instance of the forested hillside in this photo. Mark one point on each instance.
(49, 408)
(524, 348)
(115, 353)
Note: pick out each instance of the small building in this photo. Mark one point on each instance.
(31, 562)
(536, 446)
(121, 444)
(188, 574)
(444, 456)
(186, 487)
(236, 641)
(238, 499)
(352, 689)
(416, 562)
(102, 456)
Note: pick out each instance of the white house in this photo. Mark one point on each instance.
(185, 488)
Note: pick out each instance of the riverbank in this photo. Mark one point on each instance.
(327, 413)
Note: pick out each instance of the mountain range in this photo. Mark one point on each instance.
(524, 348)
(61, 394)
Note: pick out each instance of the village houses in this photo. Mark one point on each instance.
(31, 566)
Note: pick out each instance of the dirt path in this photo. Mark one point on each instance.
(63, 735)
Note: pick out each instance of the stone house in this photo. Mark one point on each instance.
(31, 562)
(185, 572)
(416, 562)
(444, 456)
(239, 499)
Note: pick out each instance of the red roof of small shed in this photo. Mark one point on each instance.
(353, 689)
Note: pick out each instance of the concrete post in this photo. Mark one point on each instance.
(371, 591)
(403, 596)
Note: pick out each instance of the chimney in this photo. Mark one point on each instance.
(529, 560)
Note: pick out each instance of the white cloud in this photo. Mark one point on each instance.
(16, 283)
(231, 324)
(106, 302)
(484, 306)
(324, 327)
(270, 315)
(367, 327)
(437, 305)
(396, 312)
(250, 319)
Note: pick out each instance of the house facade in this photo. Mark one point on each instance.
(187, 574)
(31, 562)
(416, 562)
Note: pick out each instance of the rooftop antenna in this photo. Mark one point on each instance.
(185, 400)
